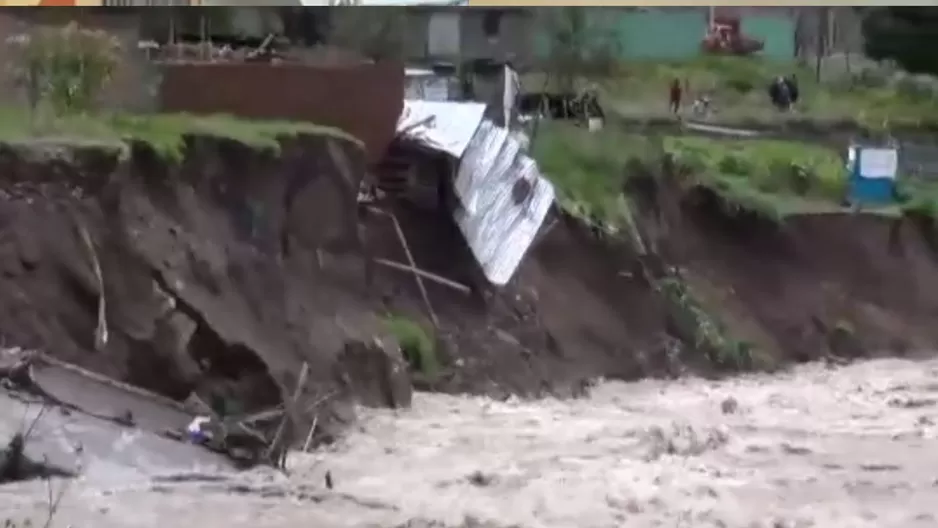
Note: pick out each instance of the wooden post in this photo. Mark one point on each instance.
(819, 41)
(203, 35)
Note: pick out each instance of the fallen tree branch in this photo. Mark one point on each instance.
(269, 414)
(100, 333)
(309, 436)
(301, 382)
(312, 429)
(54, 501)
(413, 265)
(462, 288)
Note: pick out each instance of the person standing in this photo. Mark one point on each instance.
(674, 96)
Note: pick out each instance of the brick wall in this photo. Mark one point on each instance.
(363, 99)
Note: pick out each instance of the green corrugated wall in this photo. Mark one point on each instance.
(677, 35)
(660, 35)
(778, 33)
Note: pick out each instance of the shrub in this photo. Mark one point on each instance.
(417, 345)
(66, 67)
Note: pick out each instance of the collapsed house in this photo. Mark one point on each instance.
(501, 198)
(481, 175)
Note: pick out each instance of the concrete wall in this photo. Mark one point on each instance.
(365, 100)
(515, 35)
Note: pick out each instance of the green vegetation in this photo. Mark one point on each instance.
(589, 171)
(919, 199)
(709, 335)
(770, 178)
(417, 345)
(62, 72)
(871, 98)
(165, 133)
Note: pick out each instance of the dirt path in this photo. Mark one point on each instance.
(848, 447)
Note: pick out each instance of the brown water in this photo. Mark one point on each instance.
(850, 447)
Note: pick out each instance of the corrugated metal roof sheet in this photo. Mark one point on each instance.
(498, 223)
(499, 228)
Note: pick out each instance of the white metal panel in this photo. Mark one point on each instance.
(499, 232)
(445, 126)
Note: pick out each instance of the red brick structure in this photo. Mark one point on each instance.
(363, 99)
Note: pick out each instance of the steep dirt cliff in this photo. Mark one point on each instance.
(204, 262)
(838, 286)
(226, 270)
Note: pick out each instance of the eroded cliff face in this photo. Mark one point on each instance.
(206, 268)
(227, 270)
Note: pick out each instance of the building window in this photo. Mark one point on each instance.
(491, 23)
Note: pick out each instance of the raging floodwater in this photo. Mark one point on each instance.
(849, 447)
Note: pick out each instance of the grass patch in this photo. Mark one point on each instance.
(918, 198)
(772, 178)
(417, 345)
(708, 334)
(589, 171)
(165, 133)
(738, 90)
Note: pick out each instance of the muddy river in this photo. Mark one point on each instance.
(818, 446)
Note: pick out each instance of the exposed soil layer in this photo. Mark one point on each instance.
(199, 264)
(837, 286)
(226, 272)
(576, 311)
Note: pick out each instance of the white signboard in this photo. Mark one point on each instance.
(879, 163)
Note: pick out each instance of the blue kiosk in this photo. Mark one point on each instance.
(872, 175)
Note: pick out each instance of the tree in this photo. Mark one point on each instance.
(906, 35)
(577, 45)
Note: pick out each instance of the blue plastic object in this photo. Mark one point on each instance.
(868, 189)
